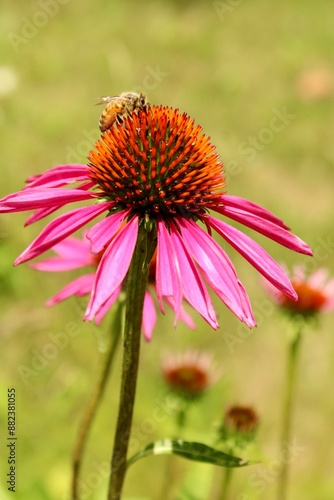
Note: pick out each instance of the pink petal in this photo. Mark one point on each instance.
(329, 305)
(59, 176)
(72, 253)
(60, 228)
(107, 305)
(149, 316)
(167, 270)
(252, 208)
(41, 213)
(79, 287)
(113, 267)
(30, 199)
(318, 278)
(298, 273)
(267, 228)
(56, 264)
(193, 286)
(103, 231)
(255, 255)
(329, 288)
(272, 291)
(71, 247)
(184, 316)
(218, 270)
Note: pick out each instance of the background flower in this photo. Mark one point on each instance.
(190, 373)
(315, 292)
(239, 427)
(241, 419)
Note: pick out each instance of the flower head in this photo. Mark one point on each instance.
(159, 170)
(315, 292)
(241, 419)
(239, 426)
(189, 374)
(74, 253)
(158, 164)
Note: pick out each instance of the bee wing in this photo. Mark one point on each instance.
(106, 99)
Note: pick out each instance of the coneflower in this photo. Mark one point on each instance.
(157, 169)
(315, 292)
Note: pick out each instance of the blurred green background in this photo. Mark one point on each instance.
(233, 66)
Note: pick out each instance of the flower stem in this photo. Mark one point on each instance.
(170, 478)
(135, 293)
(181, 419)
(226, 483)
(287, 409)
(95, 400)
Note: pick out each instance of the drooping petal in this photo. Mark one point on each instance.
(184, 316)
(167, 270)
(247, 306)
(217, 269)
(79, 287)
(59, 228)
(252, 208)
(73, 253)
(149, 316)
(103, 231)
(34, 198)
(59, 176)
(107, 305)
(266, 227)
(72, 247)
(40, 213)
(255, 255)
(193, 287)
(57, 264)
(113, 267)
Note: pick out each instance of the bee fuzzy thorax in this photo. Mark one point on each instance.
(117, 107)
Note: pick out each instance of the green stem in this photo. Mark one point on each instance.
(169, 485)
(135, 293)
(287, 409)
(181, 419)
(226, 483)
(95, 400)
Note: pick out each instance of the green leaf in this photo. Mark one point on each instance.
(198, 452)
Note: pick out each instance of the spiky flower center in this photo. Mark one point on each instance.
(189, 379)
(157, 162)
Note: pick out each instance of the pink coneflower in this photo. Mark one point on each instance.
(157, 169)
(74, 253)
(315, 292)
(191, 373)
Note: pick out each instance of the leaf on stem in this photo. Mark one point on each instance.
(198, 452)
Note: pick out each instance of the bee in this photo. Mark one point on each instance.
(119, 106)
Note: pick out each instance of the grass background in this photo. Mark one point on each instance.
(231, 65)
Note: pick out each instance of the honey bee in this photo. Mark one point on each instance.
(119, 106)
